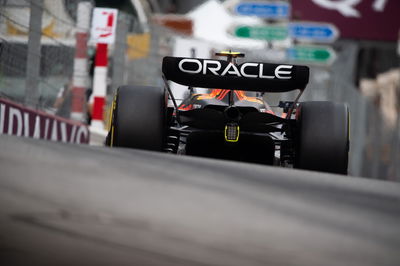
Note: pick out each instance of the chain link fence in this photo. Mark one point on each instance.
(141, 63)
(374, 143)
(55, 52)
(135, 57)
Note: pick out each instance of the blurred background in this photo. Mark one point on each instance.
(352, 48)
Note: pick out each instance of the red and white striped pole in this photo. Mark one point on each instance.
(99, 85)
(80, 74)
(103, 33)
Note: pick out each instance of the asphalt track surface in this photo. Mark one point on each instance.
(77, 205)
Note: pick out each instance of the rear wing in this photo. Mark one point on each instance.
(249, 76)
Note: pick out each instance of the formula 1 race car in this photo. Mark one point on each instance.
(229, 122)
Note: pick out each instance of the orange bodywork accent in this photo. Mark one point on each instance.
(242, 96)
(210, 95)
(220, 94)
(186, 108)
(270, 112)
(223, 94)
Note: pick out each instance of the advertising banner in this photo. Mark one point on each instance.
(18, 120)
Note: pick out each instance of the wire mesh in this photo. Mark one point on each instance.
(56, 50)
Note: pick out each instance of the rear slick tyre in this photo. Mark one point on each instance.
(323, 137)
(138, 118)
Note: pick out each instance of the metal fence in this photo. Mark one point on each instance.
(36, 56)
(374, 145)
(135, 58)
(141, 64)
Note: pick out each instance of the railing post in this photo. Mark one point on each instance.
(34, 54)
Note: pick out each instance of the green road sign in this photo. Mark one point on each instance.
(269, 33)
(312, 54)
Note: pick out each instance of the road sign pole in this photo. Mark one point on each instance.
(104, 23)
